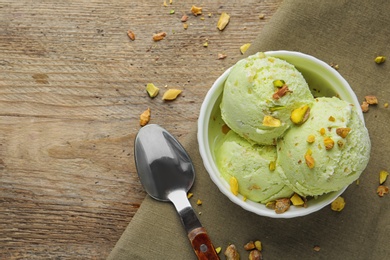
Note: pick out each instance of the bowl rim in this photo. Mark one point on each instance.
(203, 136)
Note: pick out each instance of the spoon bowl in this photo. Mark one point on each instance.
(162, 163)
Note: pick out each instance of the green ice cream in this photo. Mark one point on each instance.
(326, 153)
(253, 95)
(250, 165)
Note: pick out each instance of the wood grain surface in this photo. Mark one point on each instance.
(72, 87)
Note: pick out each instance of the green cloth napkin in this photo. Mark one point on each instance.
(350, 34)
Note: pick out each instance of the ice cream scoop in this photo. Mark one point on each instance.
(327, 152)
(259, 95)
(253, 166)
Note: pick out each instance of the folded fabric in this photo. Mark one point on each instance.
(347, 33)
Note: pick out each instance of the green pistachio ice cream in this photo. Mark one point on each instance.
(316, 145)
(256, 104)
(250, 165)
(326, 153)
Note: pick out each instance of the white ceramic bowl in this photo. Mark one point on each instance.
(323, 80)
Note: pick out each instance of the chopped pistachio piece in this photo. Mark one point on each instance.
(196, 10)
(152, 90)
(272, 166)
(383, 176)
(382, 190)
(296, 200)
(276, 108)
(233, 185)
(258, 245)
(244, 48)
(310, 139)
(329, 143)
(278, 83)
(371, 99)
(343, 131)
(309, 159)
(223, 21)
(271, 121)
(300, 115)
(380, 59)
(171, 94)
(338, 204)
(144, 117)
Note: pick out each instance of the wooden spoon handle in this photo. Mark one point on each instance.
(202, 245)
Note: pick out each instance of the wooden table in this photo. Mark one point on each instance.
(72, 88)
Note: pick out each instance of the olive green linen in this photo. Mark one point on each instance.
(350, 34)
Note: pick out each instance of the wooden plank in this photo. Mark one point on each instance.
(71, 92)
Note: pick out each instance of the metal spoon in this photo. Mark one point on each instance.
(166, 173)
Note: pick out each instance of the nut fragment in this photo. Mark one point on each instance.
(278, 83)
(300, 115)
(335, 66)
(309, 159)
(382, 190)
(221, 56)
(340, 144)
(152, 90)
(199, 202)
(225, 129)
(258, 245)
(255, 255)
(364, 107)
(310, 139)
(244, 47)
(343, 131)
(189, 195)
(249, 246)
(272, 166)
(338, 204)
(371, 100)
(383, 176)
(231, 253)
(317, 248)
(296, 200)
(282, 205)
(184, 18)
(271, 121)
(281, 92)
(159, 36)
(233, 185)
(329, 143)
(171, 94)
(144, 117)
(196, 10)
(270, 205)
(131, 35)
(223, 21)
(380, 59)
